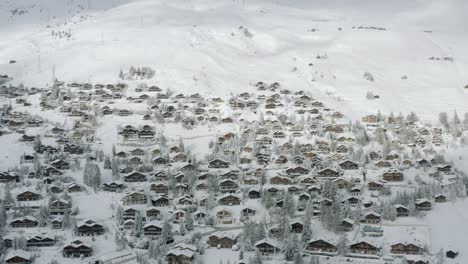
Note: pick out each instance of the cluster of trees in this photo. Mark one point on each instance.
(92, 175)
(138, 73)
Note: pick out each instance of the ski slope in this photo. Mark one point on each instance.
(217, 47)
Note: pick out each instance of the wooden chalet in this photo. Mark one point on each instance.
(347, 224)
(113, 186)
(223, 239)
(254, 194)
(406, 249)
(181, 254)
(228, 186)
(392, 176)
(77, 249)
(328, 173)
(267, 247)
(6, 177)
(160, 201)
(423, 204)
(59, 207)
(322, 247)
(135, 198)
(401, 211)
(18, 257)
(135, 177)
(371, 218)
(24, 222)
(40, 241)
(160, 188)
(440, 198)
(89, 228)
(152, 229)
(28, 196)
(375, 185)
(348, 165)
(229, 199)
(297, 171)
(280, 180)
(218, 164)
(364, 249)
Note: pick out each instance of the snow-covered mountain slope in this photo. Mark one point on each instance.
(217, 47)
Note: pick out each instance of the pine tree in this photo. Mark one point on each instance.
(138, 227)
(291, 247)
(7, 197)
(443, 119)
(307, 231)
(42, 216)
(115, 169)
(456, 120)
(182, 229)
(257, 259)
(119, 241)
(2, 246)
(189, 222)
(66, 221)
(92, 175)
(289, 204)
(107, 163)
(298, 259)
(3, 215)
(154, 249)
(118, 215)
(314, 260)
(440, 256)
(166, 232)
(97, 177)
(343, 244)
(181, 145)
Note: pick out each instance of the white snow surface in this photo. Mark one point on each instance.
(198, 46)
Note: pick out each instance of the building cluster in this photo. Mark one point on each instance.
(278, 157)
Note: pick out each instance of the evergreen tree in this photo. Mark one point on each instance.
(92, 175)
(115, 169)
(443, 119)
(3, 215)
(19, 243)
(119, 241)
(7, 197)
(107, 163)
(42, 216)
(257, 259)
(456, 120)
(307, 231)
(66, 221)
(118, 215)
(289, 204)
(138, 227)
(182, 229)
(2, 246)
(154, 249)
(343, 244)
(291, 247)
(314, 260)
(189, 222)
(298, 259)
(166, 232)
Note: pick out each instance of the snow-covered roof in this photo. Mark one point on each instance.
(18, 253)
(267, 241)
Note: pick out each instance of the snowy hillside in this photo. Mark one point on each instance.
(217, 47)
